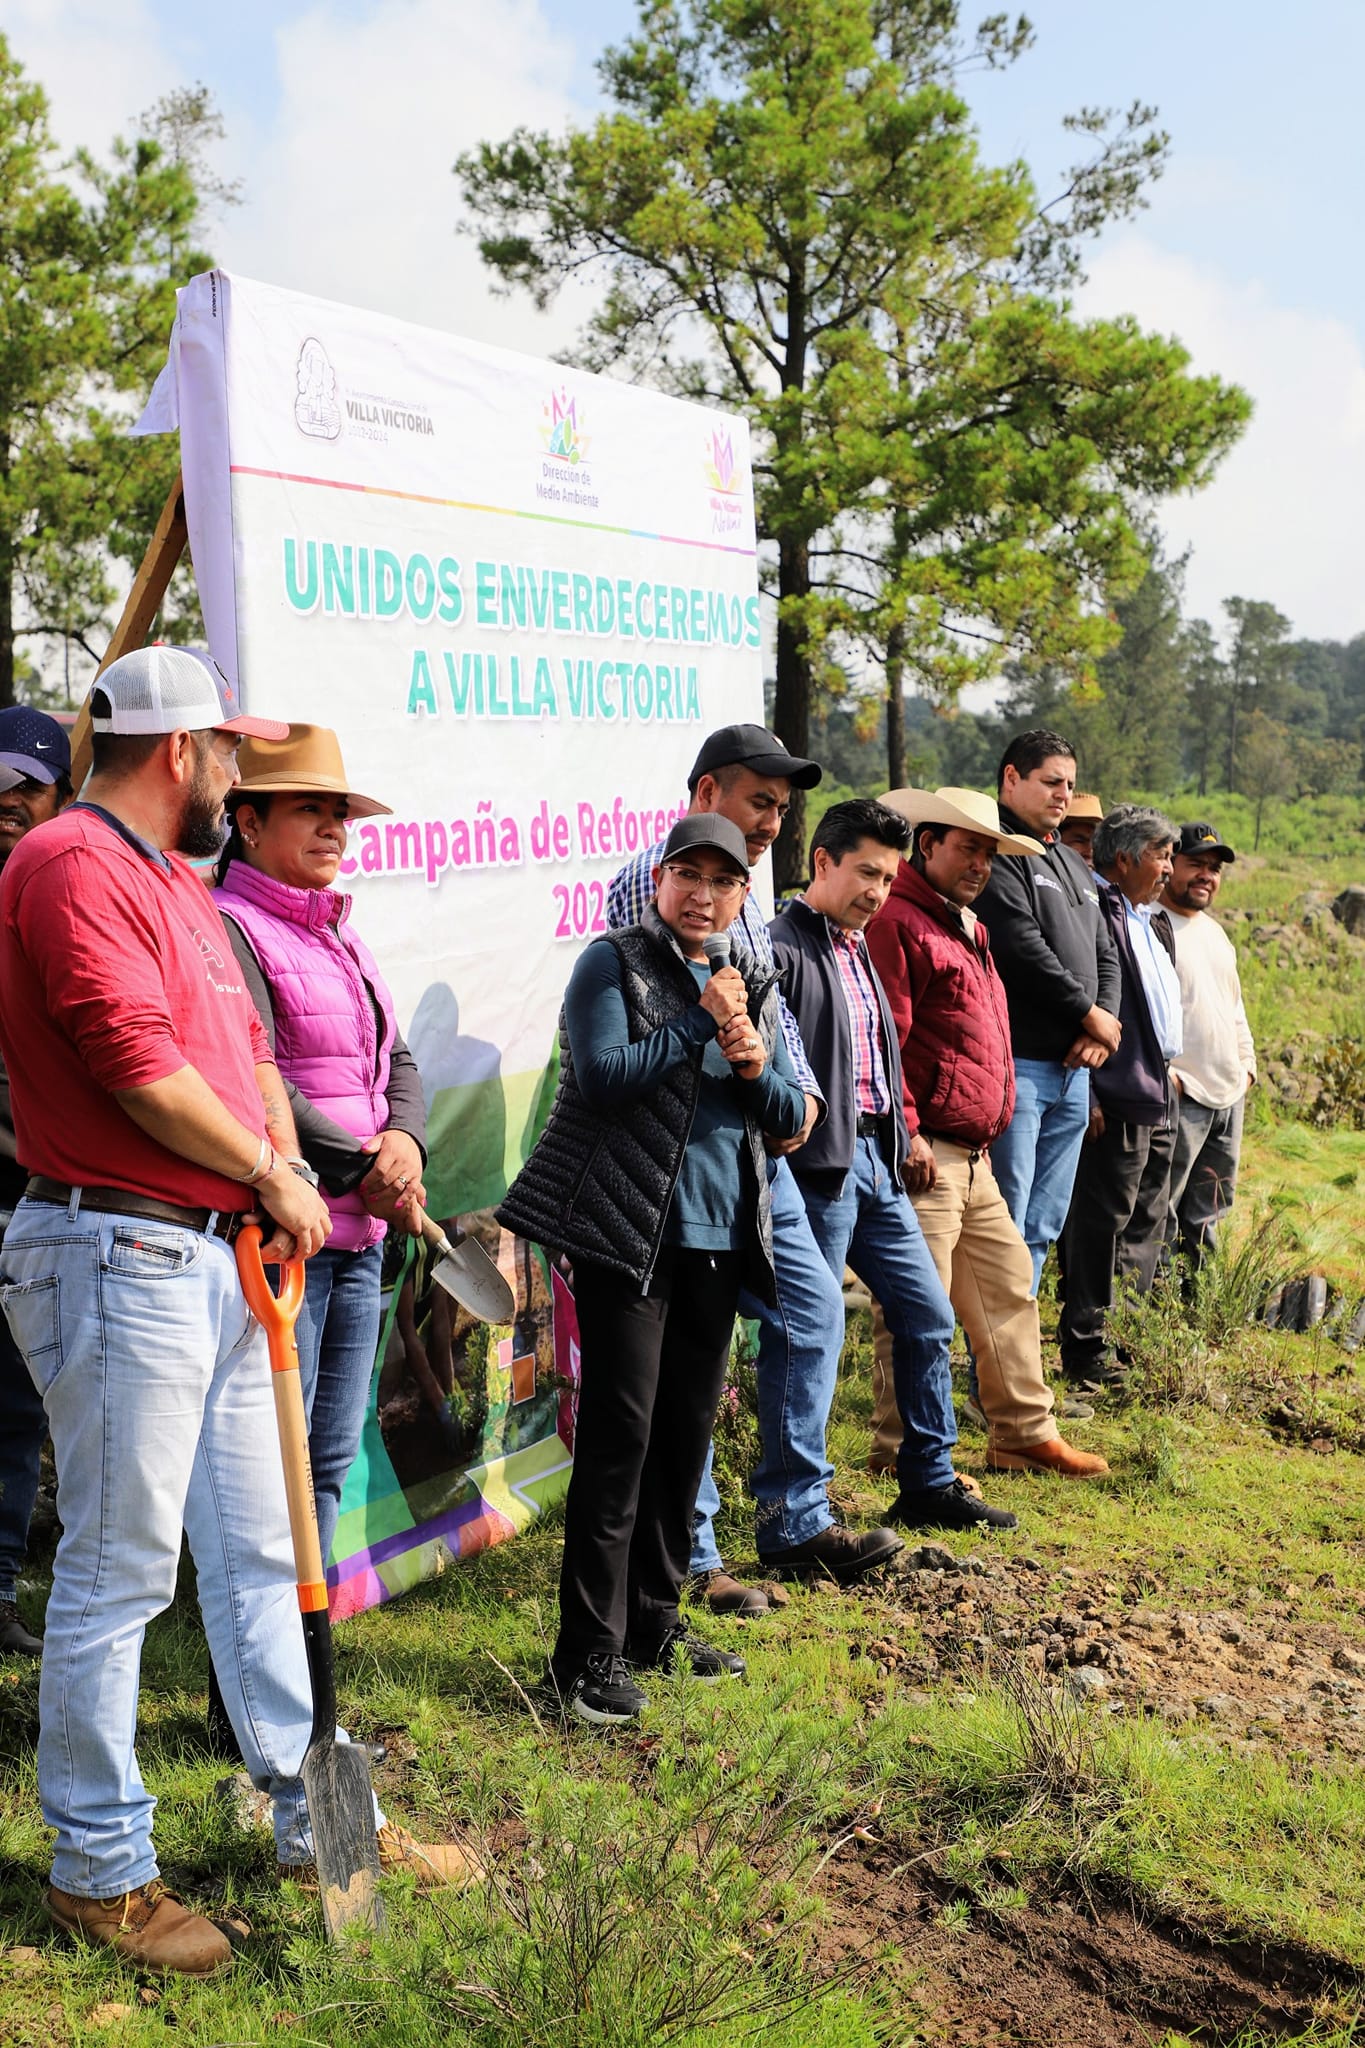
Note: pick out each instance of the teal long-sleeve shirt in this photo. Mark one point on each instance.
(710, 1209)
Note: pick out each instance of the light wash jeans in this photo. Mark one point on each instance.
(869, 1224)
(23, 1427)
(1035, 1157)
(800, 1343)
(338, 1336)
(157, 1389)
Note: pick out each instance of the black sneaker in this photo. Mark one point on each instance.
(947, 1507)
(843, 1555)
(603, 1693)
(703, 1660)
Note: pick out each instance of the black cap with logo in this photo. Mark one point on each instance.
(1202, 838)
(753, 747)
(708, 828)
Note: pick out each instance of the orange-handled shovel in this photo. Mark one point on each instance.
(336, 1775)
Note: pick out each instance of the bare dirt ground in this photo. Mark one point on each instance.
(1066, 1974)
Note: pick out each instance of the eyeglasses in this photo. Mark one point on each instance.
(723, 887)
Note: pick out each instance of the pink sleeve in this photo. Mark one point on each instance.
(261, 1052)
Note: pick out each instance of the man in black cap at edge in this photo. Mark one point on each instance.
(35, 782)
(1217, 1063)
(745, 774)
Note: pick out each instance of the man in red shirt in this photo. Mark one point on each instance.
(951, 1018)
(151, 1116)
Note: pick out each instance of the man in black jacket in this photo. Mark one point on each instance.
(1118, 1211)
(1057, 961)
(851, 1170)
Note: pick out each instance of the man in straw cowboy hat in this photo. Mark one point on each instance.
(1077, 829)
(933, 957)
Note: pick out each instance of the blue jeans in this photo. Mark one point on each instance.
(800, 1343)
(338, 1336)
(869, 1223)
(1035, 1157)
(157, 1390)
(23, 1425)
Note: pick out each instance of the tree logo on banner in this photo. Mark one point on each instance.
(316, 411)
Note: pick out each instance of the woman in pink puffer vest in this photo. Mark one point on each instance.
(354, 1086)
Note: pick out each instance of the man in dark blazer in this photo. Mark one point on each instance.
(851, 1170)
(1117, 1220)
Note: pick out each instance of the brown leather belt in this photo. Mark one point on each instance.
(224, 1223)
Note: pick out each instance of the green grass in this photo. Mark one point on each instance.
(665, 1886)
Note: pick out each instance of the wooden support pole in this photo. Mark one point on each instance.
(150, 584)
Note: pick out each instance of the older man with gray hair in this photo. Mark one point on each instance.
(1118, 1207)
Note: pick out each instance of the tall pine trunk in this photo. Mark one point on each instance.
(895, 708)
(791, 709)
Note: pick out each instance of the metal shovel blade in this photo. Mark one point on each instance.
(466, 1271)
(336, 1783)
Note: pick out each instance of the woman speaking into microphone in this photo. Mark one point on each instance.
(651, 1176)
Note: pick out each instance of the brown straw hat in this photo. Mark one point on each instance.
(309, 759)
(1083, 805)
(968, 809)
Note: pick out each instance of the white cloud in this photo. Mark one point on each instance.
(345, 156)
(100, 63)
(1284, 516)
(351, 193)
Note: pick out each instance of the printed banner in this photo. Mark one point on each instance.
(521, 596)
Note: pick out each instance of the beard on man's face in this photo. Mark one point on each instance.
(203, 822)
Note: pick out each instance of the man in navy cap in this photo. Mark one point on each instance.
(35, 768)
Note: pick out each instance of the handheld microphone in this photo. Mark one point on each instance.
(716, 946)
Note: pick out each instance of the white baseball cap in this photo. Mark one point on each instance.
(169, 689)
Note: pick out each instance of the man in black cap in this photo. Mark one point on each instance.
(745, 774)
(35, 772)
(1217, 1062)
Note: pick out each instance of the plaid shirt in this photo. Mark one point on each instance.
(871, 1090)
(633, 888)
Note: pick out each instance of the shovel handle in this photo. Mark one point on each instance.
(277, 1315)
(272, 1311)
(433, 1234)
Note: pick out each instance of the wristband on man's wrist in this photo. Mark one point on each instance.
(265, 1165)
(301, 1168)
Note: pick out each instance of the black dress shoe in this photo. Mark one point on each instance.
(703, 1660)
(15, 1639)
(947, 1507)
(844, 1555)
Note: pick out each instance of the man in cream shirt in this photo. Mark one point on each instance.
(1218, 1061)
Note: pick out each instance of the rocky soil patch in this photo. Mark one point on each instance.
(1276, 1677)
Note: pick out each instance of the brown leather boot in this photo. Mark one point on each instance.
(724, 1595)
(149, 1926)
(429, 1863)
(1054, 1455)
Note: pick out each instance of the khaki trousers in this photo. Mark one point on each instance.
(985, 1266)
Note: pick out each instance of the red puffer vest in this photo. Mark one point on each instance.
(324, 987)
(949, 1005)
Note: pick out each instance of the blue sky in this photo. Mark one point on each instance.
(344, 116)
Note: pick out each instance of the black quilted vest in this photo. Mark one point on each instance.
(598, 1187)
